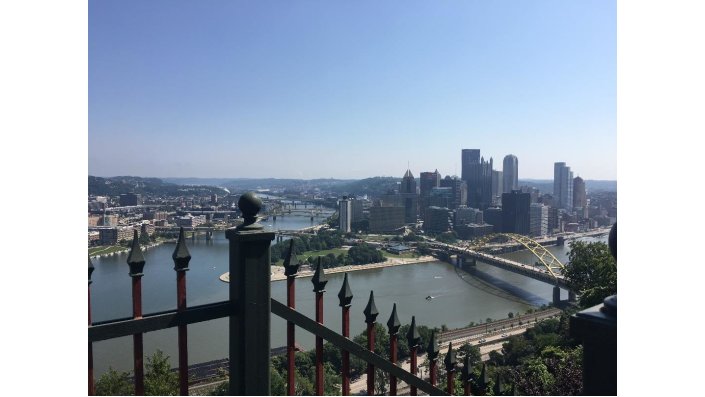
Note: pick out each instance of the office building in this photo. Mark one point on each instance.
(493, 216)
(473, 230)
(497, 187)
(466, 215)
(579, 197)
(563, 186)
(510, 171)
(386, 219)
(437, 220)
(515, 212)
(130, 199)
(357, 206)
(477, 173)
(409, 198)
(538, 220)
(344, 215)
(427, 181)
(458, 191)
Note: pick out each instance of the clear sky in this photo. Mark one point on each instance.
(349, 89)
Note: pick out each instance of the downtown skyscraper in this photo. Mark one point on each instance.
(510, 170)
(563, 186)
(477, 174)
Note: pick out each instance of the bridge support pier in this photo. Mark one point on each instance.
(560, 241)
(556, 295)
(571, 296)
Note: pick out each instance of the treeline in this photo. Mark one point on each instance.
(360, 254)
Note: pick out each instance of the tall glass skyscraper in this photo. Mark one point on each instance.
(510, 169)
(477, 174)
(563, 186)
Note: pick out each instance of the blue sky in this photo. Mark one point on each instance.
(333, 89)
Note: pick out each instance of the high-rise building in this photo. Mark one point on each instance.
(515, 212)
(386, 219)
(497, 186)
(130, 199)
(344, 215)
(563, 186)
(441, 197)
(538, 220)
(409, 198)
(357, 206)
(477, 173)
(437, 220)
(458, 189)
(427, 181)
(510, 168)
(579, 197)
(493, 216)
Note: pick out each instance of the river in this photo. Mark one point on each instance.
(458, 297)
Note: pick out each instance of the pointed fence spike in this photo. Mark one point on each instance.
(484, 379)
(371, 311)
(345, 295)
(181, 255)
(466, 370)
(393, 323)
(498, 387)
(432, 349)
(135, 259)
(319, 279)
(90, 269)
(450, 359)
(291, 262)
(412, 336)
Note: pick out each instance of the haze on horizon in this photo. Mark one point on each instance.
(350, 90)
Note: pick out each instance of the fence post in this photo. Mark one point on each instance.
(136, 262)
(370, 318)
(291, 267)
(182, 257)
(465, 374)
(393, 324)
(91, 385)
(319, 281)
(413, 338)
(249, 287)
(345, 295)
(450, 362)
(432, 354)
(483, 381)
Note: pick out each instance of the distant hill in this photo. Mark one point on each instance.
(117, 185)
(369, 186)
(545, 186)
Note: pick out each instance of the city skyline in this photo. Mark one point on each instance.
(350, 91)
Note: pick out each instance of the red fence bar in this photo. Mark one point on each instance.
(413, 337)
(291, 267)
(91, 386)
(393, 324)
(136, 262)
(370, 318)
(319, 284)
(432, 354)
(345, 295)
(450, 362)
(181, 257)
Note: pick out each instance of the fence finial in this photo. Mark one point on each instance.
(484, 378)
(181, 256)
(393, 323)
(450, 359)
(371, 309)
(291, 262)
(135, 259)
(345, 295)
(413, 336)
(498, 386)
(432, 349)
(90, 269)
(466, 371)
(249, 205)
(319, 279)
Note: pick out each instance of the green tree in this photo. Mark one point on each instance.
(534, 379)
(592, 272)
(114, 383)
(159, 379)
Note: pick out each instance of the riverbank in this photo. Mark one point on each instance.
(277, 273)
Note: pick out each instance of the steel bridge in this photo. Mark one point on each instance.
(550, 270)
